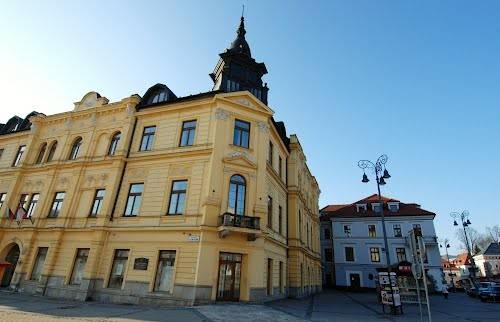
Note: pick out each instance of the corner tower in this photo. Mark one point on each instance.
(236, 70)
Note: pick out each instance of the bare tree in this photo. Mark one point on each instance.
(494, 233)
(473, 236)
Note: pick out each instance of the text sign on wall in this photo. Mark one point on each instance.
(141, 263)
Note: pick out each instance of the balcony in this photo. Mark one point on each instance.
(241, 224)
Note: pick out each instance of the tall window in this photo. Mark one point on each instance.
(241, 135)
(23, 201)
(3, 195)
(78, 268)
(237, 192)
(188, 131)
(269, 212)
(349, 254)
(41, 153)
(417, 227)
(270, 153)
(178, 197)
(57, 204)
(114, 143)
(52, 151)
(371, 231)
(165, 271)
(1, 153)
(280, 220)
(300, 226)
(134, 199)
(269, 276)
(19, 155)
(96, 205)
(375, 254)
(118, 268)
(75, 148)
(32, 204)
(148, 136)
(36, 273)
(328, 255)
(347, 230)
(397, 230)
(401, 254)
(328, 233)
(280, 167)
(282, 289)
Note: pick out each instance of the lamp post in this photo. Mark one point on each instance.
(446, 246)
(464, 219)
(381, 174)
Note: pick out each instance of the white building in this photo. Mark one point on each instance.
(488, 262)
(358, 244)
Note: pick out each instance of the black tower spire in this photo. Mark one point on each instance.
(238, 71)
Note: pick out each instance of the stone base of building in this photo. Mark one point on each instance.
(299, 292)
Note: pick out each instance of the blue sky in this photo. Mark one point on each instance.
(418, 81)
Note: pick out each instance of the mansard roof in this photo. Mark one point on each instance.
(156, 95)
(493, 249)
(352, 211)
(17, 124)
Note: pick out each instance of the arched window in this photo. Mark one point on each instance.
(41, 153)
(158, 96)
(75, 148)
(114, 143)
(237, 193)
(52, 151)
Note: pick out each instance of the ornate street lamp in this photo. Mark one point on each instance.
(381, 174)
(463, 217)
(446, 246)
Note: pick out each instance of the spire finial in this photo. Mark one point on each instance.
(243, 12)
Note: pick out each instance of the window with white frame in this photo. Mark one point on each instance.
(347, 230)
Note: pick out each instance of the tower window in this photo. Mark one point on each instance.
(232, 86)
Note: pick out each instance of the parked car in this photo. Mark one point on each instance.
(474, 290)
(490, 293)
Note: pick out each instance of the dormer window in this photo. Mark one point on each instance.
(361, 207)
(393, 206)
(377, 207)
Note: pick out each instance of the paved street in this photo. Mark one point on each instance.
(327, 306)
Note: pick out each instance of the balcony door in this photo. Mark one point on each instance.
(228, 288)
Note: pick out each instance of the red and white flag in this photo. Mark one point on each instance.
(20, 214)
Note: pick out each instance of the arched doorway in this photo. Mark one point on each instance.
(11, 257)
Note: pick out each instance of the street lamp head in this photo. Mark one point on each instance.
(440, 245)
(455, 223)
(468, 222)
(386, 174)
(448, 246)
(381, 181)
(365, 178)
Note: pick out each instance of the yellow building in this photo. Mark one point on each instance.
(161, 199)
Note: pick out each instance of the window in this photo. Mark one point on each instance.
(300, 226)
(23, 201)
(41, 153)
(96, 205)
(165, 271)
(241, 135)
(349, 254)
(347, 230)
(52, 151)
(32, 204)
(393, 207)
(19, 155)
(75, 148)
(281, 284)
(114, 143)
(418, 227)
(233, 86)
(237, 193)
(56, 204)
(118, 268)
(397, 230)
(1, 153)
(178, 197)
(280, 167)
(270, 153)
(280, 220)
(188, 131)
(269, 212)
(148, 135)
(3, 195)
(328, 233)
(371, 231)
(328, 255)
(269, 276)
(36, 273)
(81, 259)
(134, 199)
(375, 254)
(377, 207)
(159, 96)
(361, 207)
(401, 254)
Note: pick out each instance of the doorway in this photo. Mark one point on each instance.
(12, 258)
(228, 288)
(354, 280)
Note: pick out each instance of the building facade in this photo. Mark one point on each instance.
(358, 245)
(488, 262)
(161, 199)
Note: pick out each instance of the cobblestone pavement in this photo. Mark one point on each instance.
(328, 306)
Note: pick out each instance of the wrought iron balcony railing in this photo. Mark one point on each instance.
(232, 220)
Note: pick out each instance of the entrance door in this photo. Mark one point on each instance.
(228, 288)
(12, 258)
(354, 280)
